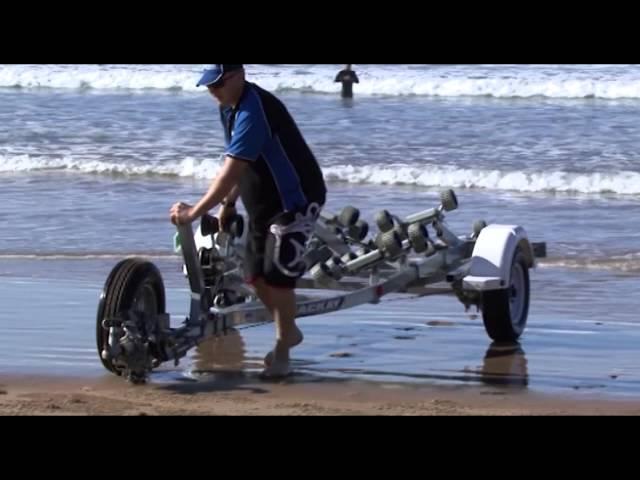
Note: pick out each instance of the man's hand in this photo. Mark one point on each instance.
(224, 215)
(181, 214)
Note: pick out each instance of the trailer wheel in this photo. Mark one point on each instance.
(348, 216)
(391, 244)
(359, 230)
(449, 200)
(418, 236)
(505, 311)
(133, 284)
(477, 227)
(384, 221)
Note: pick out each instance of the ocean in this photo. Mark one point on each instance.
(93, 156)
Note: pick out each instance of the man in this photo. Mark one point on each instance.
(268, 163)
(347, 77)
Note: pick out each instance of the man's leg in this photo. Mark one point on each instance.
(275, 258)
(281, 303)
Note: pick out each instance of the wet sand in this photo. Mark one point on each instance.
(218, 380)
(409, 357)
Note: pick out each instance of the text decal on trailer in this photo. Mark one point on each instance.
(321, 306)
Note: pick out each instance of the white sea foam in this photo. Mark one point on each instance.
(625, 183)
(504, 81)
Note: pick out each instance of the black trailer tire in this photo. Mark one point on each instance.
(133, 283)
(505, 311)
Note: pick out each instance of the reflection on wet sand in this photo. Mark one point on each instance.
(505, 364)
(220, 354)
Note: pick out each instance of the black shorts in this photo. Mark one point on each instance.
(276, 258)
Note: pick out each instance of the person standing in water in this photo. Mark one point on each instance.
(347, 77)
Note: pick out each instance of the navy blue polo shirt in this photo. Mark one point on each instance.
(283, 173)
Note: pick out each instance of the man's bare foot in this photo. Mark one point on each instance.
(276, 370)
(296, 339)
(279, 363)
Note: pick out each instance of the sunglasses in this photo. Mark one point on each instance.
(222, 82)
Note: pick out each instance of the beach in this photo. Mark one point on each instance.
(92, 157)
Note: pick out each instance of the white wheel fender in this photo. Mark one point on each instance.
(492, 256)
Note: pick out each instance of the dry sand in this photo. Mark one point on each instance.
(235, 393)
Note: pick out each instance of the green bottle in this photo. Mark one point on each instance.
(177, 244)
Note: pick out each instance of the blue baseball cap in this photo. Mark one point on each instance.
(213, 73)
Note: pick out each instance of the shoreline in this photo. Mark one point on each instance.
(236, 393)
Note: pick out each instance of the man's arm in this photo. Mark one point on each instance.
(248, 139)
(232, 196)
(225, 185)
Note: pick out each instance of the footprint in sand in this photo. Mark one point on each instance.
(341, 355)
(440, 323)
